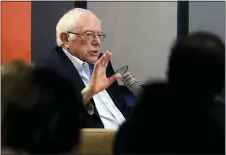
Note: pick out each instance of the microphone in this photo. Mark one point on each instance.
(130, 81)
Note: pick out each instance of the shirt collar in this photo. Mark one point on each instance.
(76, 61)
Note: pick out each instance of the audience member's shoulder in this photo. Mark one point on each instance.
(50, 77)
(155, 94)
(157, 84)
(156, 88)
(46, 73)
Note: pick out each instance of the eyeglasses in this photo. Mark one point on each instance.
(90, 35)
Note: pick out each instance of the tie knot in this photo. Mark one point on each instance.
(91, 67)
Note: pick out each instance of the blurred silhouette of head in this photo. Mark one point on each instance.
(197, 64)
(41, 111)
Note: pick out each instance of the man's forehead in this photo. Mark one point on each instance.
(89, 27)
(88, 22)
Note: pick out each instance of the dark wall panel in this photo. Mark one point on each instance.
(45, 16)
(80, 4)
(182, 18)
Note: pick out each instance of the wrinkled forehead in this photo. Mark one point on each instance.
(88, 22)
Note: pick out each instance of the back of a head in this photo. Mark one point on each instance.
(42, 115)
(11, 74)
(196, 64)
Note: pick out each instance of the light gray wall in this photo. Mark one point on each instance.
(138, 34)
(208, 16)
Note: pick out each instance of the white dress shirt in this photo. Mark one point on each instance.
(110, 116)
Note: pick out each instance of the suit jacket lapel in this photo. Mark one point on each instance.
(72, 73)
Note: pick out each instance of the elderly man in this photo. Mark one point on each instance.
(79, 37)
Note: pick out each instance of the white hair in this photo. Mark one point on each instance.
(69, 22)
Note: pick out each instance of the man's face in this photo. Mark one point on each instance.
(87, 46)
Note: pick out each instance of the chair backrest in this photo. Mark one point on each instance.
(96, 141)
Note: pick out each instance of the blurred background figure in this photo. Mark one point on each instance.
(39, 114)
(181, 115)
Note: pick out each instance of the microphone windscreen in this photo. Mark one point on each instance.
(122, 70)
(129, 80)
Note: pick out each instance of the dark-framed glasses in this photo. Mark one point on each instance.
(90, 34)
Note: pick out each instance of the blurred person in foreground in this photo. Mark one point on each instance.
(181, 116)
(40, 112)
(79, 37)
(220, 98)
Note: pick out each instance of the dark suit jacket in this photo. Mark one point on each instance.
(166, 121)
(57, 60)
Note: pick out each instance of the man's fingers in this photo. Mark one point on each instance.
(102, 59)
(108, 58)
(113, 78)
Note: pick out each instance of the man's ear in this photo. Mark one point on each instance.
(64, 39)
